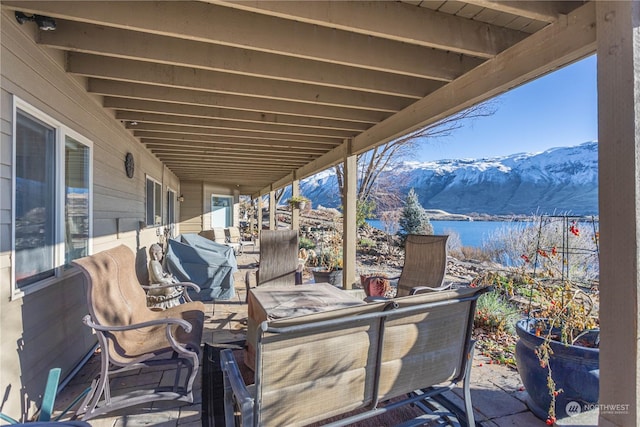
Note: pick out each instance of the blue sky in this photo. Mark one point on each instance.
(556, 110)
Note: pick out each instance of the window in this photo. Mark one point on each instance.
(154, 202)
(171, 207)
(221, 211)
(77, 160)
(52, 203)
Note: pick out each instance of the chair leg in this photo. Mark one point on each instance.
(466, 388)
(49, 396)
(247, 284)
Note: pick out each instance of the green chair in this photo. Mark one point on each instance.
(48, 400)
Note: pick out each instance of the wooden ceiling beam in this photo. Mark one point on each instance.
(218, 24)
(132, 116)
(548, 11)
(127, 44)
(189, 146)
(142, 129)
(380, 18)
(169, 138)
(227, 154)
(158, 107)
(144, 91)
(212, 81)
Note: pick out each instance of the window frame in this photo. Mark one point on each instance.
(171, 198)
(146, 202)
(61, 133)
(230, 208)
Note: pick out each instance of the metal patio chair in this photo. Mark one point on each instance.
(132, 336)
(425, 264)
(45, 412)
(234, 237)
(278, 259)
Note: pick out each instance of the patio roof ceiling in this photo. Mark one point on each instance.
(258, 93)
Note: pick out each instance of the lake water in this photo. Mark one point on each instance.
(472, 233)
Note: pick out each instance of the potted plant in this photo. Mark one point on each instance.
(326, 266)
(557, 353)
(298, 202)
(377, 285)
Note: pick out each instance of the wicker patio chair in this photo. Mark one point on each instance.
(425, 264)
(132, 336)
(278, 259)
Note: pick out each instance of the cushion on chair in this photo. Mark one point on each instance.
(115, 298)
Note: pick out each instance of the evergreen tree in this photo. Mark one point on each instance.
(414, 219)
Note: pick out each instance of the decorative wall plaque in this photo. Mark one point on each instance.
(129, 164)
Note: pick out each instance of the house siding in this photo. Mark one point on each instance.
(44, 329)
(196, 209)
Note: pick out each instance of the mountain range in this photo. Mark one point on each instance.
(561, 180)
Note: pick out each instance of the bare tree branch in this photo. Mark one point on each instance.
(372, 185)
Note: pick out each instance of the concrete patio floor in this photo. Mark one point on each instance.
(496, 390)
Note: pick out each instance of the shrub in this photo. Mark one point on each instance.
(478, 254)
(306, 243)
(495, 314)
(366, 243)
(454, 243)
(364, 210)
(414, 218)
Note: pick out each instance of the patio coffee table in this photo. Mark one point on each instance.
(277, 302)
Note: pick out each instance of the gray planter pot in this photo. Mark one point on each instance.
(333, 277)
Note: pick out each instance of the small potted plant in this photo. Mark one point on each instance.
(377, 285)
(298, 202)
(326, 262)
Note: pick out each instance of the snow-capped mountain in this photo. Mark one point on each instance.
(559, 180)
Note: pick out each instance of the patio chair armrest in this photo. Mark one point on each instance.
(167, 321)
(170, 285)
(234, 386)
(374, 276)
(186, 296)
(420, 289)
(191, 285)
(376, 299)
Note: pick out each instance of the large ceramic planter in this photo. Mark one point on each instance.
(333, 277)
(575, 370)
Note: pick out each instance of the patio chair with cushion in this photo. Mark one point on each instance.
(132, 336)
(425, 264)
(278, 259)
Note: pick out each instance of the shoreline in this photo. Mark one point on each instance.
(438, 215)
